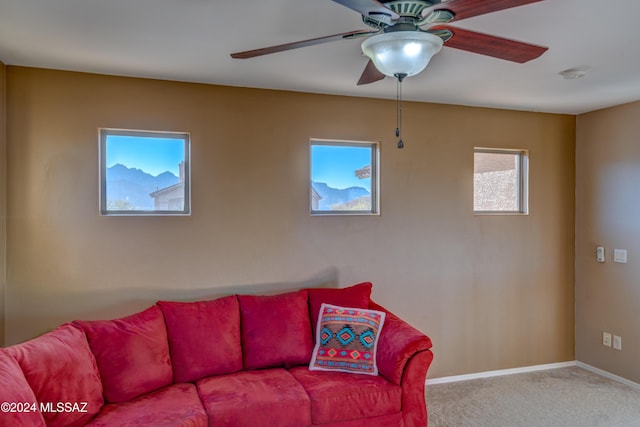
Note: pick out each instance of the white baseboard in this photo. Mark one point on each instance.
(608, 375)
(499, 372)
(534, 368)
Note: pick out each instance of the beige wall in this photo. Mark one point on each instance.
(3, 194)
(492, 291)
(608, 214)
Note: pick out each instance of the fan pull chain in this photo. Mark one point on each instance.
(399, 78)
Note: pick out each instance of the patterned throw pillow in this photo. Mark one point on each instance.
(347, 339)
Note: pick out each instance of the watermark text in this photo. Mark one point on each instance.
(45, 407)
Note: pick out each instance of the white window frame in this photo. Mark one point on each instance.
(103, 133)
(375, 177)
(522, 173)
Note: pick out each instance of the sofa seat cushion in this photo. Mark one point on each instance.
(393, 420)
(340, 396)
(204, 337)
(60, 368)
(175, 406)
(15, 389)
(132, 354)
(276, 330)
(269, 397)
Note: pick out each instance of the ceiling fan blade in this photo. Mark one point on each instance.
(370, 74)
(368, 7)
(485, 44)
(463, 9)
(299, 44)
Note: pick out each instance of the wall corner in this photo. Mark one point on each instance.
(3, 197)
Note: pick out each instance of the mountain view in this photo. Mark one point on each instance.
(129, 188)
(352, 198)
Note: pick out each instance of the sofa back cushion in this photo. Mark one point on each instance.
(132, 353)
(276, 330)
(15, 390)
(204, 337)
(356, 296)
(59, 367)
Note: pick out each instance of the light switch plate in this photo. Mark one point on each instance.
(620, 255)
(617, 342)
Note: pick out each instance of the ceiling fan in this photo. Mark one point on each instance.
(417, 21)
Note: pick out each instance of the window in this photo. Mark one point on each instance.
(144, 173)
(500, 181)
(344, 178)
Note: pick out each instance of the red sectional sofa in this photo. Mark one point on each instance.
(240, 360)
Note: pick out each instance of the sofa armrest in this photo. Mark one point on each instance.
(398, 342)
(414, 408)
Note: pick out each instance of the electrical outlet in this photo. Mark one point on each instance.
(606, 339)
(617, 342)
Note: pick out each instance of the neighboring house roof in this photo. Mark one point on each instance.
(159, 192)
(315, 194)
(364, 172)
(490, 162)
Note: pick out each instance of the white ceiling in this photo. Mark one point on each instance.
(190, 40)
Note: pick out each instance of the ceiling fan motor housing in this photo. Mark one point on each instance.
(408, 7)
(410, 12)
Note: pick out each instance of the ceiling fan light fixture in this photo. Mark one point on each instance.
(401, 52)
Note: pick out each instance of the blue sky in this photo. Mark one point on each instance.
(150, 154)
(335, 165)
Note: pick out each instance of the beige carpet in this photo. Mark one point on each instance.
(564, 397)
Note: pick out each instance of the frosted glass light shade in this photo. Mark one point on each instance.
(401, 52)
